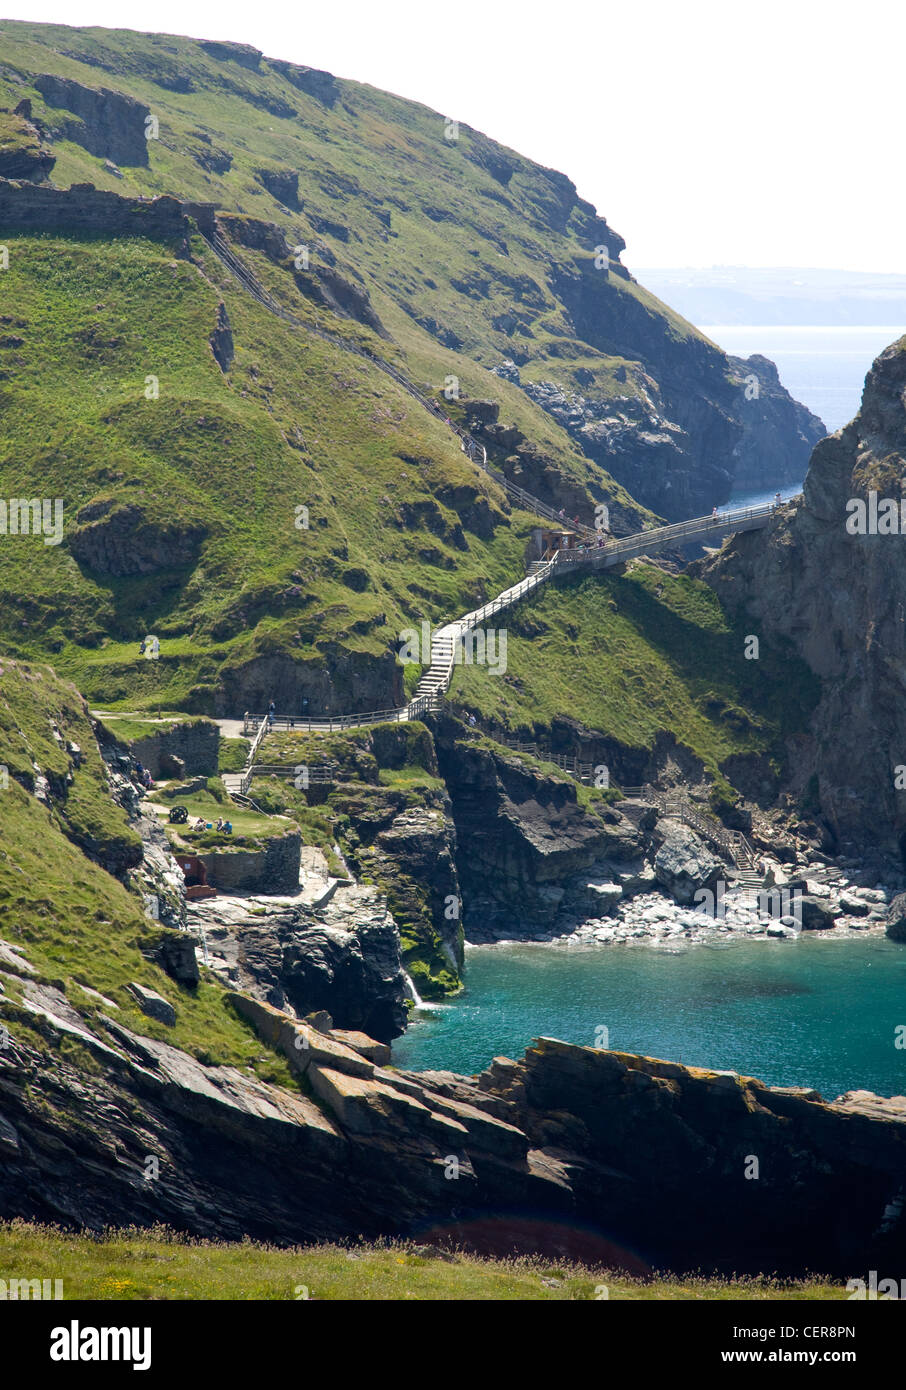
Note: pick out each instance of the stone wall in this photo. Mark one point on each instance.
(196, 743)
(274, 868)
(28, 207)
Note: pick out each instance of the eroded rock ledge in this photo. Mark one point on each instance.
(628, 1160)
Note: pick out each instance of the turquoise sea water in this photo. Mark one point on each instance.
(812, 1012)
(809, 1012)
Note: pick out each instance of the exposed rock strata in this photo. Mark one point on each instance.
(339, 952)
(564, 1152)
(109, 124)
(840, 599)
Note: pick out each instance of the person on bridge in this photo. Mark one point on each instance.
(714, 511)
(777, 499)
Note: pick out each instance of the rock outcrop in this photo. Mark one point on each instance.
(339, 951)
(896, 918)
(622, 1160)
(29, 207)
(109, 124)
(777, 436)
(683, 864)
(678, 437)
(222, 339)
(323, 86)
(118, 537)
(522, 840)
(839, 598)
(23, 153)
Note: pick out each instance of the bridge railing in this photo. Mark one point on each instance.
(566, 762)
(640, 541)
(677, 804)
(335, 723)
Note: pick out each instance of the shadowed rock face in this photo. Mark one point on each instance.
(23, 155)
(569, 1151)
(222, 339)
(690, 434)
(323, 86)
(122, 539)
(840, 599)
(683, 864)
(341, 954)
(108, 124)
(521, 836)
(778, 433)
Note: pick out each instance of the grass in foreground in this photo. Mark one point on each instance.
(160, 1264)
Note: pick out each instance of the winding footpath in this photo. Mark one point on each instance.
(447, 642)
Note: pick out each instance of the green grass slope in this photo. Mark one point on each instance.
(471, 253)
(211, 475)
(80, 928)
(130, 1266)
(182, 497)
(639, 655)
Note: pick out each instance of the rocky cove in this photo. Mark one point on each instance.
(536, 955)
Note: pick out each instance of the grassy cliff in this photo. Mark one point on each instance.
(68, 910)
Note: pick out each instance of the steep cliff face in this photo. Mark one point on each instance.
(523, 840)
(561, 1153)
(840, 598)
(479, 255)
(778, 432)
(678, 423)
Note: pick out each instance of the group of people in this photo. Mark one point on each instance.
(225, 826)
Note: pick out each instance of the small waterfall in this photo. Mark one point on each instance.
(413, 992)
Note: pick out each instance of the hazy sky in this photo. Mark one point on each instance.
(706, 132)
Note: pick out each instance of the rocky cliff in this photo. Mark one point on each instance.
(687, 428)
(572, 1151)
(486, 257)
(836, 589)
(777, 436)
